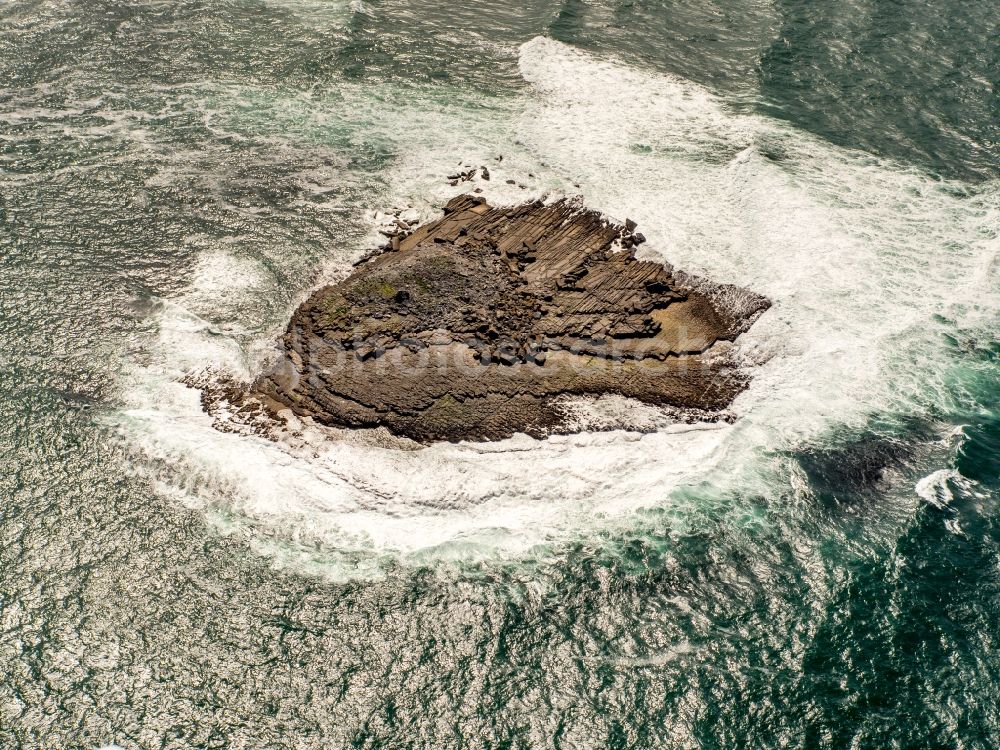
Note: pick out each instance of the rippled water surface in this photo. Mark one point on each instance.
(176, 176)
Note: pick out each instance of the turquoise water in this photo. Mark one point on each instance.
(176, 176)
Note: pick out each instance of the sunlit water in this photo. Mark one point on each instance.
(822, 572)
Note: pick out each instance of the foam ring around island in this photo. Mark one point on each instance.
(867, 262)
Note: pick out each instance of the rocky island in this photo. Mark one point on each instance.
(482, 323)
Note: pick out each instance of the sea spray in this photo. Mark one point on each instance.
(868, 263)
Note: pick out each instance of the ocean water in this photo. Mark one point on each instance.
(822, 573)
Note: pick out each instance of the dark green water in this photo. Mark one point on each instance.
(174, 176)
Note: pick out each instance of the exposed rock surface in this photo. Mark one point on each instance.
(475, 326)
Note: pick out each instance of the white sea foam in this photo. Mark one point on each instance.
(867, 263)
(934, 488)
(939, 489)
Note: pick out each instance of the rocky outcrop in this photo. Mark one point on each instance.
(478, 325)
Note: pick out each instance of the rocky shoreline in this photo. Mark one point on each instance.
(480, 324)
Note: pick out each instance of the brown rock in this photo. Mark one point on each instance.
(578, 318)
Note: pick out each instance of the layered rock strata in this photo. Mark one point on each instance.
(479, 325)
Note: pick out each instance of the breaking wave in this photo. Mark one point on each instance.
(871, 266)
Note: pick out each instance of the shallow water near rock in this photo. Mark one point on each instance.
(178, 177)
